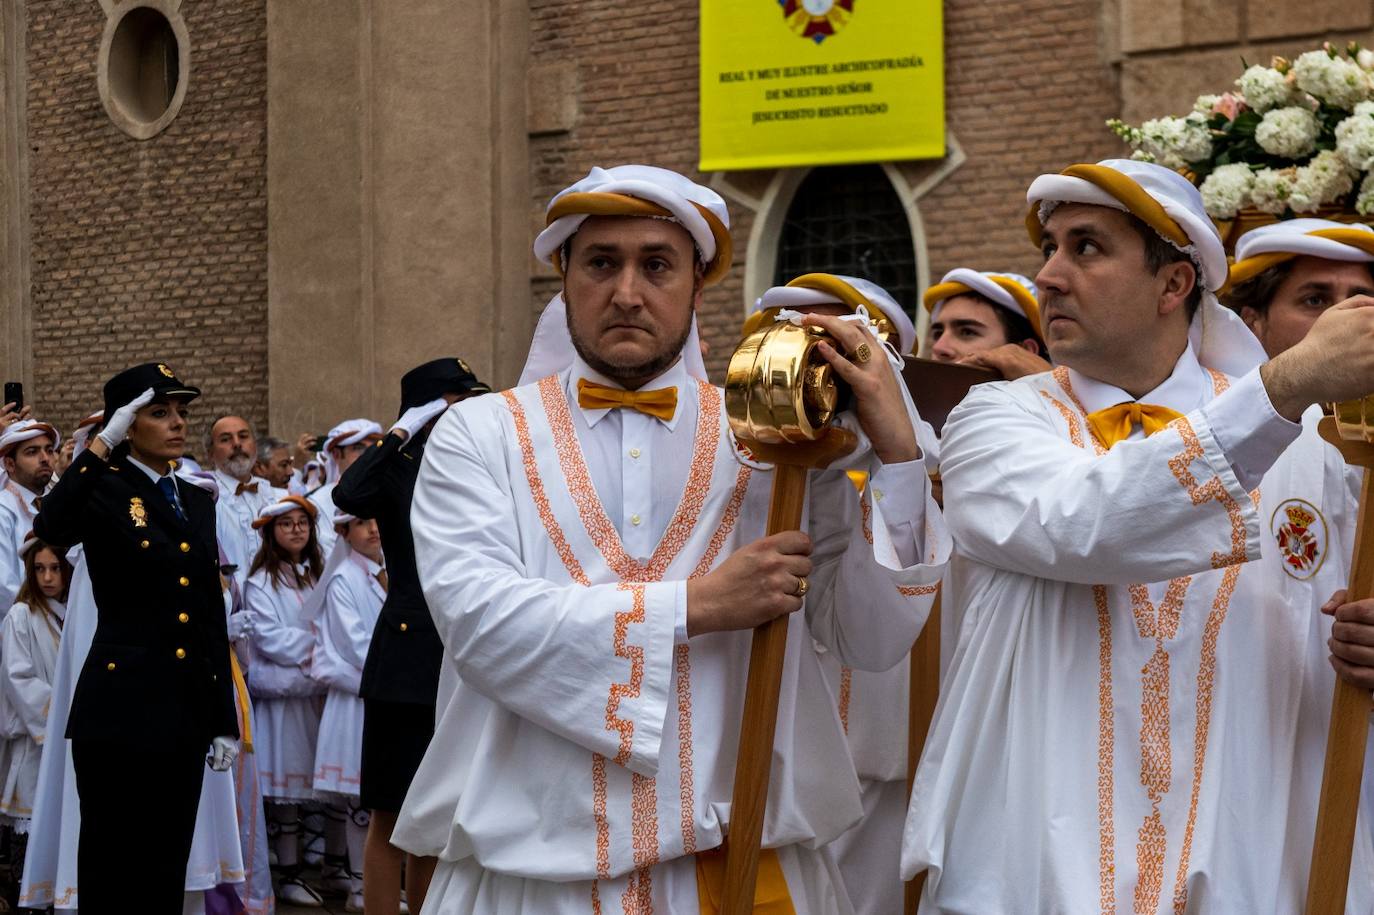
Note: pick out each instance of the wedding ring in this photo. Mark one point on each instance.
(802, 587)
(862, 354)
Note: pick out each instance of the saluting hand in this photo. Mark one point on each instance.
(763, 580)
(877, 399)
(416, 418)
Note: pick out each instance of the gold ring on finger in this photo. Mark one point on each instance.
(862, 353)
(802, 587)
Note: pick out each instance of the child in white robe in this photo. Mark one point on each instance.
(31, 634)
(347, 606)
(286, 700)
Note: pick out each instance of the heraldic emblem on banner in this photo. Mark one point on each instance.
(817, 19)
(1301, 533)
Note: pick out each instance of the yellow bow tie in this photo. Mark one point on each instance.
(660, 403)
(1114, 424)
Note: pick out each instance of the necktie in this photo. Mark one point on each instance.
(1114, 424)
(383, 580)
(37, 503)
(169, 490)
(660, 403)
(246, 487)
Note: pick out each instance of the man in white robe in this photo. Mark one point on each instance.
(232, 448)
(28, 452)
(1116, 724)
(342, 446)
(594, 570)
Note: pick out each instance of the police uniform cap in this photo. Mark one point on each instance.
(438, 377)
(128, 384)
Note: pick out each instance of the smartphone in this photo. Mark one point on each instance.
(14, 393)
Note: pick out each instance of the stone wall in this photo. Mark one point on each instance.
(148, 249)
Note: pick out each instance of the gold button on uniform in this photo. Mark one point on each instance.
(404, 627)
(183, 618)
(186, 547)
(144, 544)
(181, 652)
(184, 581)
(111, 665)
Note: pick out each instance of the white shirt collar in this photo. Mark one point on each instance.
(673, 376)
(1184, 390)
(152, 474)
(228, 483)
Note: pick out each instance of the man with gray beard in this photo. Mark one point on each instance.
(232, 448)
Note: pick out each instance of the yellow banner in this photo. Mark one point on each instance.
(820, 82)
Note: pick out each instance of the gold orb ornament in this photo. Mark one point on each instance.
(778, 387)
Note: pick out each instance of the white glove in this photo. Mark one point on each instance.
(117, 426)
(241, 626)
(414, 419)
(223, 752)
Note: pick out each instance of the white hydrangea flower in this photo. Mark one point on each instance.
(1272, 189)
(1174, 142)
(1288, 132)
(1265, 88)
(1364, 201)
(1365, 58)
(1227, 189)
(1355, 137)
(1325, 179)
(1335, 80)
(1205, 103)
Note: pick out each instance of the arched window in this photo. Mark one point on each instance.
(849, 220)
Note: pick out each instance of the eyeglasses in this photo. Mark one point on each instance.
(301, 525)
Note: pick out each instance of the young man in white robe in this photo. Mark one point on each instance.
(342, 446)
(28, 456)
(1119, 727)
(594, 571)
(987, 319)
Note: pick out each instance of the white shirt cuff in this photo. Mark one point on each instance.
(901, 488)
(680, 616)
(1249, 430)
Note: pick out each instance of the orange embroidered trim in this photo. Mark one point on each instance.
(1161, 623)
(686, 779)
(1075, 427)
(603, 826)
(1212, 490)
(846, 689)
(1106, 742)
(593, 514)
(537, 493)
(866, 515)
(630, 689)
(1206, 681)
(917, 590)
(1061, 375)
(1219, 382)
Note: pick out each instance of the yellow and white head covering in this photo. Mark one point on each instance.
(635, 191)
(1012, 291)
(1262, 248)
(26, 429)
(860, 295)
(1168, 203)
(282, 506)
(348, 432)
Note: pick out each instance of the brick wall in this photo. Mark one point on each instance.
(153, 249)
(1028, 89)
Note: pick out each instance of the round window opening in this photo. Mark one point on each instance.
(144, 70)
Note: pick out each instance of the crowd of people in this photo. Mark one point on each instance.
(490, 658)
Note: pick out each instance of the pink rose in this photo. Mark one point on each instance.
(1229, 105)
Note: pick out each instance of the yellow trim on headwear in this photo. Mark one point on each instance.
(828, 282)
(941, 291)
(758, 320)
(600, 203)
(1132, 196)
(1251, 267)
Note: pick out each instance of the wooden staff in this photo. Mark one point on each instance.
(925, 692)
(1350, 706)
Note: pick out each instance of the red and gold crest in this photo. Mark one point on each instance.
(1300, 531)
(817, 19)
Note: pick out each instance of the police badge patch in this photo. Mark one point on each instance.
(1300, 531)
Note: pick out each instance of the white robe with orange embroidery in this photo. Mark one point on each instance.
(589, 742)
(1130, 720)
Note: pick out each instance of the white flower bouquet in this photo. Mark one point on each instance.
(1289, 139)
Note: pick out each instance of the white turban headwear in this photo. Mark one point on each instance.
(348, 432)
(1262, 248)
(1170, 205)
(25, 430)
(850, 291)
(635, 191)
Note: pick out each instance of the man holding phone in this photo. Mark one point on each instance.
(28, 454)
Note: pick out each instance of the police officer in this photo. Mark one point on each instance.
(155, 692)
(401, 674)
